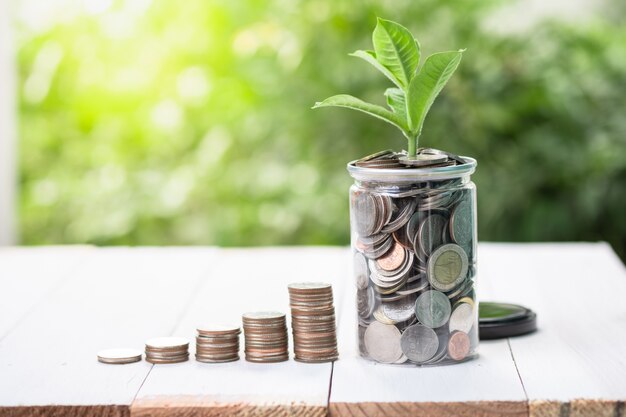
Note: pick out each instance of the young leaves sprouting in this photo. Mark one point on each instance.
(397, 55)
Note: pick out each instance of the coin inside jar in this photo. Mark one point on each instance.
(458, 345)
(447, 267)
(432, 308)
(419, 343)
(361, 271)
(462, 317)
(383, 342)
(393, 259)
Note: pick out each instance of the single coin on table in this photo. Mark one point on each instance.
(119, 356)
(432, 309)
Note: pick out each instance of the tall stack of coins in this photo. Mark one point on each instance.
(217, 344)
(413, 238)
(313, 322)
(265, 335)
(162, 350)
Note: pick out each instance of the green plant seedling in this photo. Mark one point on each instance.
(396, 55)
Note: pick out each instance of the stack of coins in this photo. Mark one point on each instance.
(313, 322)
(217, 344)
(162, 350)
(265, 336)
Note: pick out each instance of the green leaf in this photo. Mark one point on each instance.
(350, 102)
(370, 57)
(427, 84)
(397, 50)
(396, 101)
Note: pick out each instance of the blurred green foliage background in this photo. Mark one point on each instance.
(189, 122)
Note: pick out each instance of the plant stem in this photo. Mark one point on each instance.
(412, 145)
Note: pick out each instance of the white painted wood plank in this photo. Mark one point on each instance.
(248, 280)
(578, 293)
(119, 297)
(27, 275)
(8, 130)
(492, 377)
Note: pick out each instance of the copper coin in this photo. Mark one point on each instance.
(458, 345)
(210, 360)
(393, 259)
(165, 361)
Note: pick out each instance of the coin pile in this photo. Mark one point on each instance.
(265, 335)
(217, 344)
(161, 350)
(313, 322)
(414, 262)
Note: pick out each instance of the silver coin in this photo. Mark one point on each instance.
(462, 225)
(430, 233)
(443, 336)
(376, 251)
(380, 316)
(432, 308)
(423, 160)
(366, 302)
(419, 343)
(361, 272)
(413, 225)
(462, 318)
(264, 315)
(167, 343)
(461, 290)
(365, 213)
(373, 240)
(377, 155)
(400, 310)
(382, 342)
(406, 207)
(447, 267)
(415, 287)
(119, 356)
(386, 210)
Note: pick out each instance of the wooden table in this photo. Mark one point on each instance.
(60, 305)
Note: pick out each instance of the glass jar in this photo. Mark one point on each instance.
(413, 234)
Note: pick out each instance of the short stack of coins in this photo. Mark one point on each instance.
(217, 344)
(265, 335)
(313, 322)
(161, 350)
(415, 259)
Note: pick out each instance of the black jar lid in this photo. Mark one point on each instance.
(502, 320)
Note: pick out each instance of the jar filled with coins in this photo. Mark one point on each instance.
(413, 233)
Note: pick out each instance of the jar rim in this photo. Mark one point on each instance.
(412, 175)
